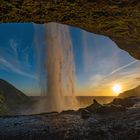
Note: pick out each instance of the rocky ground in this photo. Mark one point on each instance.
(98, 122)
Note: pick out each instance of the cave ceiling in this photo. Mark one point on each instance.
(117, 19)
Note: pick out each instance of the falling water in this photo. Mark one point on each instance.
(59, 85)
(60, 67)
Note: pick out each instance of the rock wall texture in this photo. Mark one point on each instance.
(117, 19)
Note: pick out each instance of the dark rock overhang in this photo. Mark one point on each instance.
(117, 19)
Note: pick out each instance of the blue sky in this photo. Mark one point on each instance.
(98, 61)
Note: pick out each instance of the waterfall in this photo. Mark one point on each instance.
(59, 68)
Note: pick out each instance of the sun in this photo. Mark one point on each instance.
(117, 88)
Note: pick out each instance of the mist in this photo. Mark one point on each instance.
(58, 68)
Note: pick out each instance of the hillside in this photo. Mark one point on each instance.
(11, 99)
(132, 92)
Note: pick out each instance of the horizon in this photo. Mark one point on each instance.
(99, 62)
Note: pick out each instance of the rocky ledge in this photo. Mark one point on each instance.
(118, 120)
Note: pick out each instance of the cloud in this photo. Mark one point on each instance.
(11, 67)
(121, 68)
(18, 50)
(13, 44)
(9, 60)
(118, 75)
(96, 80)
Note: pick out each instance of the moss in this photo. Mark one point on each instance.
(118, 21)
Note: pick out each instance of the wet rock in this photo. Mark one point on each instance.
(68, 112)
(110, 126)
(110, 109)
(85, 114)
(97, 108)
(93, 107)
(126, 102)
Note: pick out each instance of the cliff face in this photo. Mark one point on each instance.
(131, 92)
(117, 19)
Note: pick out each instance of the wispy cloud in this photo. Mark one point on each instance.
(11, 67)
(116, 75)
(121, 68)
(13, 44)
(17, 50)
(9, 60)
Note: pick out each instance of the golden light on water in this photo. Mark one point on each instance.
(117, 88)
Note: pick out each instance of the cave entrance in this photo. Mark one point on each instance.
(99, 66)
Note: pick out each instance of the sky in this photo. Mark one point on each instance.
(99, 63)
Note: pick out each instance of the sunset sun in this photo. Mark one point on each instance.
(117, 88)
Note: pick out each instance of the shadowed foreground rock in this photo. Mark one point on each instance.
(116, 125)
(132, 92)
(97, 108)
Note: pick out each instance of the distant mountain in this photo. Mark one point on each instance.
(11, 99)
(129, 93)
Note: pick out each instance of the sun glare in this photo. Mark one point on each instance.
(117, 88)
